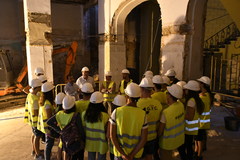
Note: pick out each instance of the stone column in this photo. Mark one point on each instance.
(37, 16)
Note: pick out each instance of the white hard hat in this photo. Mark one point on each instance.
(133, 90)
(87, 88)
(96, 97)
(192, 85)
(146, 83)
(35, 83)
(68, 102)
(181, 83)
(85, 69)
(39, 70)
(175, 90)
(148, 74)
(46, 87)
(125, 71)
(166, 80)
(170, 73)
(119, 100)
(42, 78)
(108, 73)
(205, 79)
(157, 79)
(59, 98)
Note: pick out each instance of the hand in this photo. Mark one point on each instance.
(125, 157)
(103, 90)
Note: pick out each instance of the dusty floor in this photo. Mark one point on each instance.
(15, 137)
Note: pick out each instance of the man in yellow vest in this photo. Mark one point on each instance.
(82, 104)
(171, 128)
(126, 81)
(108, 89)
(31, 115)
(153, 108)
(129, 128)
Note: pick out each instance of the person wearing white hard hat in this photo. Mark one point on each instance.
(42, 78)
(171, 128)
(126, 122)
(153, 108)
(31, 116)
(181, 84)
(207, 98)
(108, 89)
(46, 110)
(39, 71)
(71, 87)
(60, 120)
(148, 74)
(85, 78)
(95, 121)
(159, 94)
(58, 101)
(194, 107)
(171, 75)
(126, 81)
(82, 104)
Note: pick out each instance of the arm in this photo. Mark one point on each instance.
(189, 113)
(113, 136)
(108, 130)
(161, 129)
(49, 112)
(80, 126)
(52, 122)
(113, 89)
(141, 143)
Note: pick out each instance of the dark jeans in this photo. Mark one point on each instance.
(78, 156)
(48, 148)
(187, 146)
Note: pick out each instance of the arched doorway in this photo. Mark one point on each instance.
(142, 33)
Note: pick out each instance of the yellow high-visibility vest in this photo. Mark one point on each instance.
(129, 121)
(191, 127)
(108, 97)
(82, 105)
(161, 97)
(121, 89)
(63, 118)
(29, 116)
(42, 118)
(153, 108)
(96, 140)
(173, 135)
(205, 116)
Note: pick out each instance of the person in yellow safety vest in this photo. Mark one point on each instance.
(126, 81)
(129, 127)
(31, 116)
(63, 118)
(95, 122)
(46, 110)
(58, 101)
(166, 82)
(207, 98)
(171, 128)
(82, 104)
(194, 108)
(118, 101)
(108, 89)
(153, 108)
(158, 94)
(181, 84)
(171, 75)
(148, 74)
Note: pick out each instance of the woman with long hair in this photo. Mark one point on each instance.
(194, 107)
(95, 122)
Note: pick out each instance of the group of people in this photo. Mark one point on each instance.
(140, 121)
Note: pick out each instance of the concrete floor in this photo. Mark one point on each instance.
(15, 137)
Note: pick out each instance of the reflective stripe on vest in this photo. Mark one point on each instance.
(129, 128)
(29, 116)
(122, 86)
(153, 109)
(96, 134)
(173, 135)
(108, 97)
(205, 116)
(42, 117)
(191, 127)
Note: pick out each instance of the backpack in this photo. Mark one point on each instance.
(71, 137)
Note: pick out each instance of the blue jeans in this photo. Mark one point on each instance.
(92, 156)
(48, 148)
